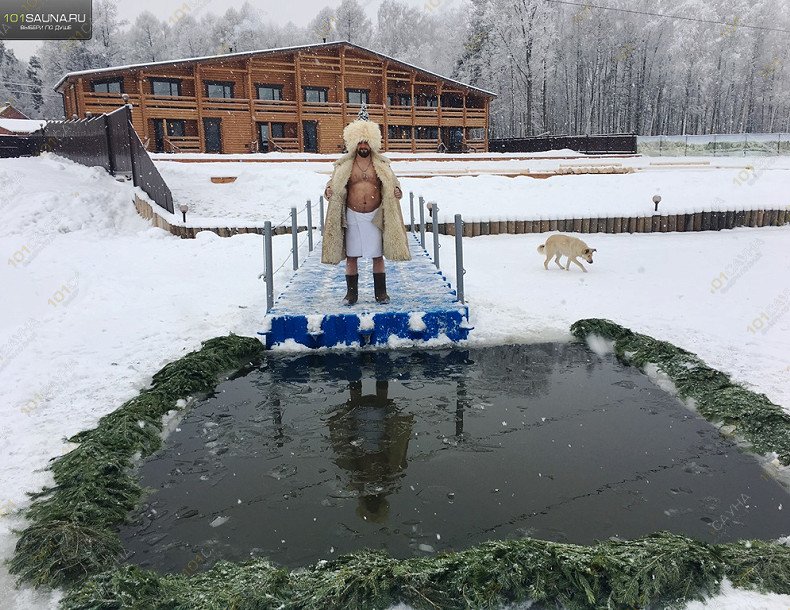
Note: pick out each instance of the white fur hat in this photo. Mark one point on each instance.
(362, 131)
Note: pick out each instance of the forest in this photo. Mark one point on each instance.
(557, 66)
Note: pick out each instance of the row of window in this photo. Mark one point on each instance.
(172, 87)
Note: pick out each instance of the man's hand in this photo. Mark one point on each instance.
(398, 193)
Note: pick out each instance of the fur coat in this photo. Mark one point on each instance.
(388, 217)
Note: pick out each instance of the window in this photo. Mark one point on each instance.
(176, 127)
(398, 99)
(165, 86)
(426, 133)
(427, 100)
(399, 132)
(357, 96)
(475, 133)
(224, 90)
(270, 92)
(312, 94)
(108, 86)
(278, 130)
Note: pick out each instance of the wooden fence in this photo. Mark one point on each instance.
(108, 141)
(698, 221)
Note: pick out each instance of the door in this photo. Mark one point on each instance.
(263, 141)
(310, 129)
(453, 138)
(159, 135)
(212, 135)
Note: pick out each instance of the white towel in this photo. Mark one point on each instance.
(363, 238)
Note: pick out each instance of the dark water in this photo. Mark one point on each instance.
(417, 452)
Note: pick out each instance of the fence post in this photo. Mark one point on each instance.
(745, 143)
(422, 221)
(714, 144)
(267, 264)
(435, 230)
(779, 144)
(108, 138)
(309, 226)
(294, 239)
(686, 149)
(321, 214)
(411, 210)
(132, 134)
(459, 257)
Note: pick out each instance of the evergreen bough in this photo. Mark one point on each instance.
(73, 525)
(72, 538)
(763, 424)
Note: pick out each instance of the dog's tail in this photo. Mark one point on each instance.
(541, 248)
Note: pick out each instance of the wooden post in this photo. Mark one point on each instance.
(673, 223)
(511, 226)
(519, 227)
(729, 220)
(199, 106)
(553, 224)
(413, 115)
(485, 227)
(618, 225)
(610, 225)
(253, 125)
(544, 225)
(342, 91)
(485, 129)
(141, 94)
(706, 221)
(385, 127)
(585, 225)
(760, 218)
(698, 221)
(299, 97)
(577, 225)
(529, 227)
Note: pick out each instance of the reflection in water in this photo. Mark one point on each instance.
(370, 438)
(306, 458)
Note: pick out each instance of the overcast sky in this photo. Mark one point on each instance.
(298, 11)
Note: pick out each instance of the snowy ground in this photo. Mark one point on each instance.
(100, 301)
(266, 191)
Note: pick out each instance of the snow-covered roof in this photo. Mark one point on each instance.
(21, 125)
(267, 52)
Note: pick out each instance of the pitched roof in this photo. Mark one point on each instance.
(7, 111)
(171, 62)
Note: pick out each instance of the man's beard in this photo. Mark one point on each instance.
(363, 152)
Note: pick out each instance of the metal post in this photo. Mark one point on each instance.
(321, 214)
(422, 222)
(267, 264)
(435, 229)
(309, 225)
(411, 209)
(459, 257)
(294, 239)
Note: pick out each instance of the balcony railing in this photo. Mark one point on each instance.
(177, 144)
(232, 104)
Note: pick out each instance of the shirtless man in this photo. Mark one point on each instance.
(368, 221)
(363, 196)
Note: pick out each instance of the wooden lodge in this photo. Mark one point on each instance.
(291, 99)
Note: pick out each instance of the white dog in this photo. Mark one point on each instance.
(565, 245)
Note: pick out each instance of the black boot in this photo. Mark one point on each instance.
(380, 288)
(352, 292)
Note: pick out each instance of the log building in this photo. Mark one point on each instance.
(290, 99)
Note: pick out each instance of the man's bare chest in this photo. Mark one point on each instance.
(364, 174)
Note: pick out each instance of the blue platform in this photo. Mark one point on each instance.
(423, 306)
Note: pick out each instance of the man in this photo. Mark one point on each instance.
(363, 217)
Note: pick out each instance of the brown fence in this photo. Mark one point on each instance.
(699, 221)
(108, 141)
(618, 143)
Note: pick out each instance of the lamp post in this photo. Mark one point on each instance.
(656, 200)
(184, 209)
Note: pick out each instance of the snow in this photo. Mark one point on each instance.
(133, 298)
(266, 191)
(21, 125)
